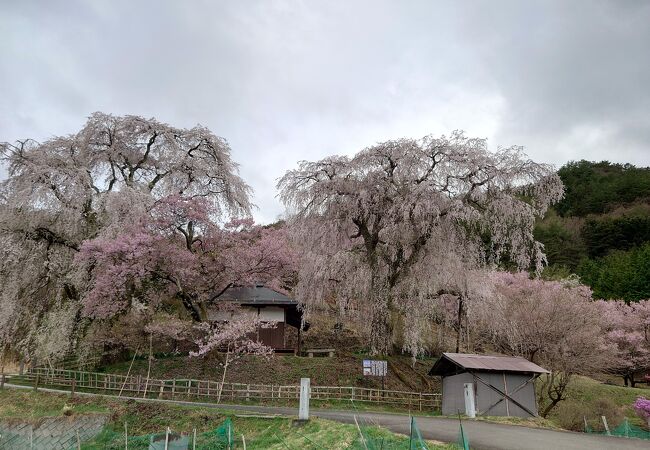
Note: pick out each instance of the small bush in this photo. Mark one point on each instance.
(570, 415)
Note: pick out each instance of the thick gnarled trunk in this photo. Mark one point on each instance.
(190, 306)
(381, 330)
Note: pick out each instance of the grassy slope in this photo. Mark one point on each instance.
(146, 418)
(342, 370)
(591, 399)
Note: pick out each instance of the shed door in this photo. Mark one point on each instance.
(273, 337)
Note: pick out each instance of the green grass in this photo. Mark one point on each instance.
(144, 418)
(31, 406)
(588, 398)
(315, 403)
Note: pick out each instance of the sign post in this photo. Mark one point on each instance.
(303, 411)
(376, 368)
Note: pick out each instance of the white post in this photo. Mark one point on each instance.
(470, 408)
(606, 426)
(303, 412)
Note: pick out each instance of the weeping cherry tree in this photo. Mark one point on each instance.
(405, 221)
(91, 185)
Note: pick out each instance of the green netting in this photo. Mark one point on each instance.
(371, 439)
(623, 430)
(415, 439)
(221, 438)
(463, 442)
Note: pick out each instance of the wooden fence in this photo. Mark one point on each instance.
(205, 390)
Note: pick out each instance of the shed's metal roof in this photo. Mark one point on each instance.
(468, 361)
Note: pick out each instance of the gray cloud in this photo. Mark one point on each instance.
(291, 80)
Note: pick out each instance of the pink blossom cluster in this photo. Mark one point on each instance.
(236, 336)
(642, 407)
(175, 251)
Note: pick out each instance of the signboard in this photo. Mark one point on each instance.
(375, 368)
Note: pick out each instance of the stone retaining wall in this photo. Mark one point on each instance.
(53, 433)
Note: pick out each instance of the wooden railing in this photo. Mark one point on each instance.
(206, 390)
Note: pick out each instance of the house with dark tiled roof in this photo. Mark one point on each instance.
(270, 306)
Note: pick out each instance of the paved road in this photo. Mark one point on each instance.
(481, 435)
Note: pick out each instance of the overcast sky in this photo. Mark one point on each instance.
(289, 80)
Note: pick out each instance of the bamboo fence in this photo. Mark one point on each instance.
(207, 390)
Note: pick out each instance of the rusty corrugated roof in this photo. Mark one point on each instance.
(468, 361)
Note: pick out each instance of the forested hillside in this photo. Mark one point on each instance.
(601, 229)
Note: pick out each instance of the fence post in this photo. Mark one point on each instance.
(72, 387)
(2, 381)
(36, 382)
(606, 426)
(303, 411)
(173, 388)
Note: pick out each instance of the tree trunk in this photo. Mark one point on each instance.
(460, 323)
(189, 305)
(223, 377)
(381, 332)
(628, 380)
(550, 407)
(555, 387)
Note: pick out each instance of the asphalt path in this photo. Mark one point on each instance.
(481, 435)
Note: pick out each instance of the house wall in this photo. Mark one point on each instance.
(272, 314)
(453, 399)
(273, 337)
(453, 395)
(220, 315)
(505, 382)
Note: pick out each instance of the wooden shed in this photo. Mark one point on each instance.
(270, 306)
(503, 385)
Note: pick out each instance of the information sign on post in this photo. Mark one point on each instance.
(375, 368)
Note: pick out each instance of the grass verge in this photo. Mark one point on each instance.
(144, 418)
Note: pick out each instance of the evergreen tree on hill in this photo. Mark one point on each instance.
(600, 230)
